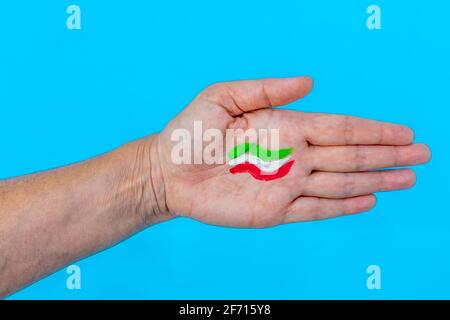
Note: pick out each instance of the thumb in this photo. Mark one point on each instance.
(239, 97)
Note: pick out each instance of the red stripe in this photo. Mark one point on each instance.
(260, 175)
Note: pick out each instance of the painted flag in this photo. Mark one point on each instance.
(262, 164)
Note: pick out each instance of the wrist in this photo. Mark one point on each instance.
(146, 176)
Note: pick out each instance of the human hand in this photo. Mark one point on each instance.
(333, 160)
(320, 167)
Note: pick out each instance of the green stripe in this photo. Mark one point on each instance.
(260, 152)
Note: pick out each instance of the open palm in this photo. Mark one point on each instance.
(334, 159)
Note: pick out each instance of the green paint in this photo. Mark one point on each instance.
(260, 152)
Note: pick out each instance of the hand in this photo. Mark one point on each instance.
(76, 210)
(334, 158)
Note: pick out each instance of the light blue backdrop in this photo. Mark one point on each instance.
(66, 95)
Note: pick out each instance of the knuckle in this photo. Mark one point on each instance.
(381, 132)
(348, 129)
(319, 211)
(348, 187)
(359, 159)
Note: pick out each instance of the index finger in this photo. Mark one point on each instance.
(332, 130)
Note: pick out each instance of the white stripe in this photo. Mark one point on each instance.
(261, 164)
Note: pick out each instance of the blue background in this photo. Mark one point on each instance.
(66, 95)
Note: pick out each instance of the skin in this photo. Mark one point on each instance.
(50, 219)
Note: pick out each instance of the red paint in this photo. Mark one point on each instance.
(260, 175)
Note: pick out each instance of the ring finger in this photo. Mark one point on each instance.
(345, 185)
